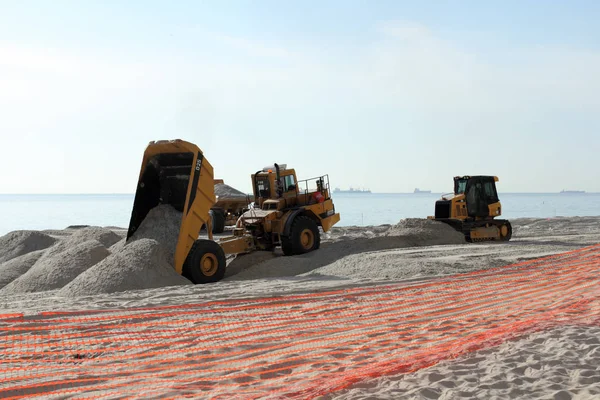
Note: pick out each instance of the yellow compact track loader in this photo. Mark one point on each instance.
(175, 172)
(472, 209)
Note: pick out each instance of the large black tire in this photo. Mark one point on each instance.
(304, 237)
(205, 263)
(218, 221)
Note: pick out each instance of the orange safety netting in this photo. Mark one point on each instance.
(295, 346)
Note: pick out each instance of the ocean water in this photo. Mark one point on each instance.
(59, 211)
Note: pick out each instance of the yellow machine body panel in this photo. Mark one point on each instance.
(237, 244)
(495, 209)
(175, 172)
(482, 233)
(327, 223)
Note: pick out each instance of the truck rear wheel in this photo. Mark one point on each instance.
(304, 237)
(205, 263)
(218, 221)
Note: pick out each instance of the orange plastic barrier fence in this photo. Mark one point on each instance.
(296, 346)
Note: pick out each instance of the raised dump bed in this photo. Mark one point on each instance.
(175, 172)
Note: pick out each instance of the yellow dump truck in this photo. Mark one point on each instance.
(288, 213)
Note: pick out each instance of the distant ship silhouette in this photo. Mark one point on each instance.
(417, 190)
(572, 191)
(352, 190)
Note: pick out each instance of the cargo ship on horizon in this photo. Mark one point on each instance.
(572, 191)
(351, 190)
(417, 190)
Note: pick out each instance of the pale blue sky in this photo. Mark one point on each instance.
(389, 95)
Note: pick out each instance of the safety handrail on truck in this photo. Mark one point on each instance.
(322, 181)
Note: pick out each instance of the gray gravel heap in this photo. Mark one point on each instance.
(18, 243)
(141, 264)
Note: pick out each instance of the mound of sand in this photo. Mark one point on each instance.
(162, 225)
(14, 268)
(388, 265)
(141, 264)
(115, 248)
(146, 261)
(18, 243)
(558, 226)
(225, 191)
(54, 272)
(344, 257)
(434, 232)
(102, 235)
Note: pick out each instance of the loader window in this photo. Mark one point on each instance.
(289, 183)
(462, 185)
(263, 187)
(490, 192)
(476, 200)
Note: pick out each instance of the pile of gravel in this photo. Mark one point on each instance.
(54, 272)
(54, 266)
(141, 264)
(105, 236)
(115, 248)
(145, 261)
(93, 260)
(162, 225)
(558, 226)
(426, 230)
(14, 268)
(347, 255)
(18, 243)
(224, 192)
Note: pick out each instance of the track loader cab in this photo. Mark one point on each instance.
(481, 195)
(473, 208)
(289, 212)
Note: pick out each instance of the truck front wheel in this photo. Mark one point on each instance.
(205, 262)
(304, 237)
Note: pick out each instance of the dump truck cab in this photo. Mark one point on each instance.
(473, 208)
